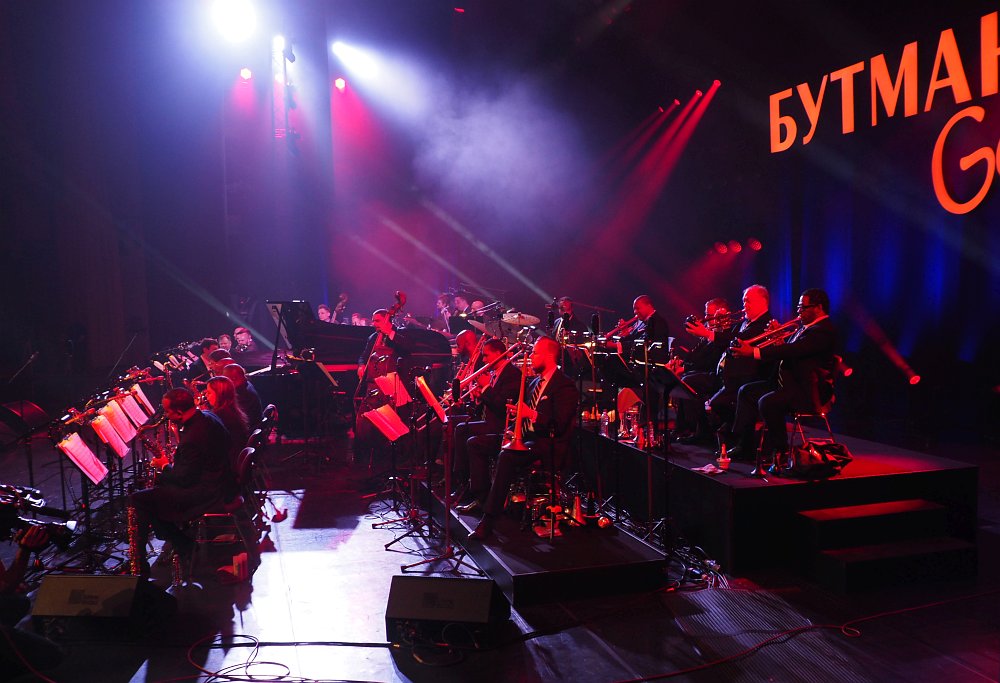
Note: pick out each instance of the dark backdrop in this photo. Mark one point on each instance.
(146, 198)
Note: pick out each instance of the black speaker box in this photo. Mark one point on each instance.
(441, 609)
(127, 600)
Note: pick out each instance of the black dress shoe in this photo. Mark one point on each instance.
(468, 508)
(484, 531)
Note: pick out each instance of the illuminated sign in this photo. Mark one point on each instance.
(888, 90)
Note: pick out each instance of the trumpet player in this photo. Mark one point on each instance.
(699, 367)
(806, 363)
(734, 372)
(549, 409)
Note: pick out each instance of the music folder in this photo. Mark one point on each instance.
(387, 421)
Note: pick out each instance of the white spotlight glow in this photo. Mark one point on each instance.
(360, 62)
(235, 19)
(278, 43)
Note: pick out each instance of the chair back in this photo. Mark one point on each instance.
(244, 461)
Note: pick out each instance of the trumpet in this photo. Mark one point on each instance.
(624, 328)
(775, 335)
(719, 321)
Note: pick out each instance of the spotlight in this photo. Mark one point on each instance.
(914, 379)
(735, 246)
(246, 74)
(340, 84)
(721, 248)
(460, 10)
(278, 43)
(698, 93)
(287, 53)
(754, 244)
(235, 19)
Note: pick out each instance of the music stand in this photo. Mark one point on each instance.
(448, 552)
(678, 389)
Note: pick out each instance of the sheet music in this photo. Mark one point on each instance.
(79, 452)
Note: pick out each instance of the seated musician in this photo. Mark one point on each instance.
(221, 394)
(491, 391)
(568, 321)
(735, 372)
(199, 370)
(196, 482)
(551, 402)
(246, 394)
(460, 315)
(698, 367)
(245, 342)
(806, 364)
(465, 350)
(324, 314)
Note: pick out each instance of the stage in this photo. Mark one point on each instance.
(748, 524)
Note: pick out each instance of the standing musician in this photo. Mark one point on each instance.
(654, 330)
(385, 347)
(491, 391)
(324, 314)
(442, 313)
(549, 411)
(805, 375)
(195, 483)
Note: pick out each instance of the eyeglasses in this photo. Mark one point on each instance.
(801, 306)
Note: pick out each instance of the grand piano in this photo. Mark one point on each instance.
(336, 348)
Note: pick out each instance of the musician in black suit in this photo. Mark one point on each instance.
(200, 369)
(568, 321)
(491, 391)
(805, 371)
(653, 353)
(699, 368)
(551, 402)
(734, 372)
(194, 484)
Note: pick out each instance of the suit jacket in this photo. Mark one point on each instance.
(739, 371)
(806, 364)
(556, 406)
(201, 472)
(574, 325)
(494, 398)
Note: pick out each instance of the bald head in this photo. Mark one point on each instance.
(236, 373)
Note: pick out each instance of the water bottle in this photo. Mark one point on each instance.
(605, 421)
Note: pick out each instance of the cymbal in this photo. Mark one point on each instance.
(515, 318)
(478, 325)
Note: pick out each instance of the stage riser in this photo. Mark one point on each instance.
(861, 569)
(746, 524)
(922, 519)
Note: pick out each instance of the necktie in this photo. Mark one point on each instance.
(536, 394)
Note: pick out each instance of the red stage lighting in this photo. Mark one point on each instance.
(915, 379)
(677, 102)
(716, 82)
(246, 74)
(460, 10)
(661, 109)
(721, 248)
(735, 246)
(754, 244)
(340, 84)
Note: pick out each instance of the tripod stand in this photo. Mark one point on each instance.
(448, 552)
(414, 518)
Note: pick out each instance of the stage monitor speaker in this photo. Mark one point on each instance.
(129, 600)
(434, 609)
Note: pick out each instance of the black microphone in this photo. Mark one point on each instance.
(551, 319)
(595, 323)
(456, 390)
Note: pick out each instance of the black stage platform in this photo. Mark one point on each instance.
(583, 561)
(747, 523)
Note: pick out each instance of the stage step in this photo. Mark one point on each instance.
(859, 525)
(873, 566)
